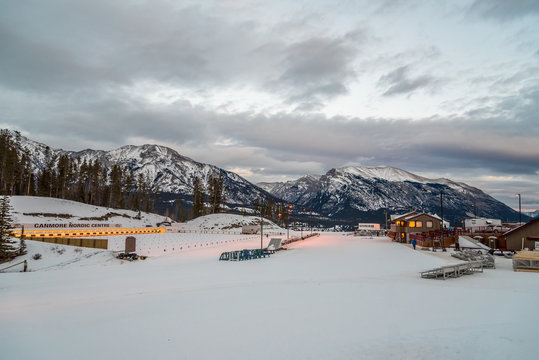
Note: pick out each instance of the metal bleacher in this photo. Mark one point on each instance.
(453, 271)
(246, 254)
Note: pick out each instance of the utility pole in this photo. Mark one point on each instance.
(519, 211)
(261, 225)
(442, 211)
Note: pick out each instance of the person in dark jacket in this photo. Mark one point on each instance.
(414, 243)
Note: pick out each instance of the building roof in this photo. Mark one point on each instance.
(398, 217)
(521, 226)
(420, 214)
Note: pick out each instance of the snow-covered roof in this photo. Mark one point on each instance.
(398, 216)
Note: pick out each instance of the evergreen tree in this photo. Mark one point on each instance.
(6, 243)
(198, 198)
(116, 196)
(176, 214)
(216, 193)
(46, 177)
(183, 214)
(256, 206)
(22, 245)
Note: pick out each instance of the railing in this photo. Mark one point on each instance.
(22, 262)
(298, 238)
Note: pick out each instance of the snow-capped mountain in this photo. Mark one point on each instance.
(532, 214)
(347, 194)
(365, 193)
(167, 170)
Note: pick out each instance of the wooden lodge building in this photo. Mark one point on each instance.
(404, 227)
(522, 237)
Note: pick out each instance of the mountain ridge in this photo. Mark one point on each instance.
(366, 192)
(168, 171)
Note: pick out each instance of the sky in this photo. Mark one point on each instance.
(274, 90)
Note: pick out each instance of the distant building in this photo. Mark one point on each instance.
(402, 226)
(482, 224)
(368, 229)
(525, 236)
(250, 229)
(370, 226)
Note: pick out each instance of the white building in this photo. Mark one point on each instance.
(482, 224)
(368, 226)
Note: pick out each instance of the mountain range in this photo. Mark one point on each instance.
(364, 193)
(342, 195)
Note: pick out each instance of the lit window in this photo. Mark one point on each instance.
(411, 224)
(429, 224)
(419, 224)
(398, 223)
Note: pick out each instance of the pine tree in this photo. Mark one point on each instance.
(22, 244)
(183, 214)
(198, 198)
(176, 214)
(6, 243)
(215, 193)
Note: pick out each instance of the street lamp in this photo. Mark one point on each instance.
(519, 211)
(442, 211)
(261, 224)
(288, 222)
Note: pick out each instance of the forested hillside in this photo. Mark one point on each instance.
(61, 176)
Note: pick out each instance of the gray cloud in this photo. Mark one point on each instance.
(399, 82)
(505, 10)
(318, 68)
(108, 45)
(70, 72)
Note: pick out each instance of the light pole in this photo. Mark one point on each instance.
(288, 222)
(261, 225)
(519, 211)
(442, 211)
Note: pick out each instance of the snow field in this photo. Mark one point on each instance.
(170, 243)
(328, 297)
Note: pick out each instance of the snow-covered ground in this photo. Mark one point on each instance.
(328, 297)
(36, 209)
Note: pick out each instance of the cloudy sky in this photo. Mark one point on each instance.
(274, 90)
